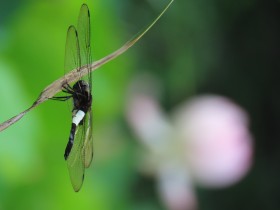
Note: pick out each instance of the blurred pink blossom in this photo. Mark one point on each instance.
(218, 145)
(205, 141)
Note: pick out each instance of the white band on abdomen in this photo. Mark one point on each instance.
(78, 117)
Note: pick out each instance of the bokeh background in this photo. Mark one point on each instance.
(227, 50)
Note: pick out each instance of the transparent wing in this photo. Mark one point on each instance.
(76, 159)
(84, 39)
(72, 50)
(88, 145)
(85, 52)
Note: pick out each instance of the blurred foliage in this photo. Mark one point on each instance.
(229, 48)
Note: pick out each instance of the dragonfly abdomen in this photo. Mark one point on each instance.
(78, 117)
(70, 141)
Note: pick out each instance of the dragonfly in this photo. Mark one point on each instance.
(79, 149)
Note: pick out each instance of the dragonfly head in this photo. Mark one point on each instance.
(81, 86)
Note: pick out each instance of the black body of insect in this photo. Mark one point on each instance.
(82, 99)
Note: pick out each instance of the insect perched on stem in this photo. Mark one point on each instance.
(78, 67)
(56, 86)
(79, 150)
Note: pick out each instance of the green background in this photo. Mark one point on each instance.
(230, 48)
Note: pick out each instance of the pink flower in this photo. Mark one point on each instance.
(206, 141)
(218, 145)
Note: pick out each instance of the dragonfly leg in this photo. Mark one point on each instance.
(66, 88)
(60, 98)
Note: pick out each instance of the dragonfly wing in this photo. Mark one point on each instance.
(72, 50)
(88, 146)
(76, 159)
(83, 29)
(84, 32)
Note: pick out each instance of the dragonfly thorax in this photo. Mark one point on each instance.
(82, 97)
